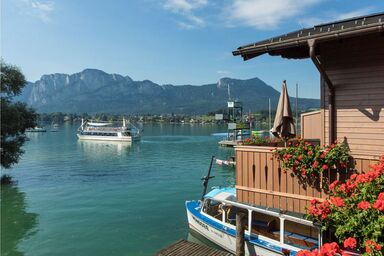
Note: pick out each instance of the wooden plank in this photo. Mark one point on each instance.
(361, 119)
(372, 125)
(365, 165)
(296, 191)
(256, 162)
(290, 179)
(269, 178)
(283, 189)
(183, 247)
(250, 177)
(239, 174)
(245, 172)
(277, 193)
(302, 191)
(355, 129)
(359, 79)
(276, 182)
(263, 182)
(358, 164)
(355, 71)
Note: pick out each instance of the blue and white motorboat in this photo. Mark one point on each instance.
(268, 232)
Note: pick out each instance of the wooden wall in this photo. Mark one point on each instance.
(261, 181)
(311, 125)
(356, 68)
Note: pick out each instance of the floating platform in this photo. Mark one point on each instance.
(183, 247)
(229, 143)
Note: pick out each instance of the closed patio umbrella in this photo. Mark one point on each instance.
(283, 126)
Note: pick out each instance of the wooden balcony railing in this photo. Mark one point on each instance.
(261, 181)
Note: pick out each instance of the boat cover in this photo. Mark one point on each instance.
(222, 194)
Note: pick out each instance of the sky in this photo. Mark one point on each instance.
(166, 41)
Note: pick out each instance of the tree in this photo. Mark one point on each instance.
(16, 117)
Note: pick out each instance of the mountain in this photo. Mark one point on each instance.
(93, 91)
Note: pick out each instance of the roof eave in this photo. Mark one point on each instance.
(285, 47)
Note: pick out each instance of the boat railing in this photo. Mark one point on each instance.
(267, 211)
(273, 226)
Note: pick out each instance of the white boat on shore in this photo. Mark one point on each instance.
(104, 131)
(36, 129)
(268, 232)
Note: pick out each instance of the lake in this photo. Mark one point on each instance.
(92, 198)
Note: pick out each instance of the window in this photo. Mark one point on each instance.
(265, 225)
(300, 235)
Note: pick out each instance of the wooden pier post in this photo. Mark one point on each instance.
(240, 229)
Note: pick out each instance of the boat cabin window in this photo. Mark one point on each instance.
(213, 208)
(265, 225)
(300, 235)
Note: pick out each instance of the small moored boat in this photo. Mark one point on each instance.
(36, 129)
(268, 232)
(104, 131)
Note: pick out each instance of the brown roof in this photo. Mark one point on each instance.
(295, 44)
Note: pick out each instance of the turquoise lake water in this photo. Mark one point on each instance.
(87, 198)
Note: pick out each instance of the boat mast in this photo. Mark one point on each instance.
(205, 179)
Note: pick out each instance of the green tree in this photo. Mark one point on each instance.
(16, 117)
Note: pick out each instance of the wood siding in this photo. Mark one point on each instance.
(356, 69)
(261, 181)
(311, 125)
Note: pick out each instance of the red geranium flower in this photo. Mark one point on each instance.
(381, 196)
(369, 245)
(304, 253)
(325, 167)
(350, 242)
(337, 201)
(314, 201)
(364, 205)
(379, 205)
(329, 249)
(334, 184)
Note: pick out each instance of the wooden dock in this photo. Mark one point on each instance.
(229, 143)
(183, 247)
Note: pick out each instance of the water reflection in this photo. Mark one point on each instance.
(16, 223)
(104, 148)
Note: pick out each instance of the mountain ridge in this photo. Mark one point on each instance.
(93, 90)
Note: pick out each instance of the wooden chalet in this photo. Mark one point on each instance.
(349, 55)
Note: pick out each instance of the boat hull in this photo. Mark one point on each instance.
(105, 138)
(225, 236)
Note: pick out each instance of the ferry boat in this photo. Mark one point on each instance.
(104, 131)
(268, 232)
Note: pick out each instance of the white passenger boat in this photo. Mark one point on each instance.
(104, 131)
(268, 231)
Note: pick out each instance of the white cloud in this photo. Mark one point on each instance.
(184, 5)
(265, 14)
(36, 8)
(223, 72)
(185, 9)
(332, 16)
(355, 13)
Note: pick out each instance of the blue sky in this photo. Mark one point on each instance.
(166, 41)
